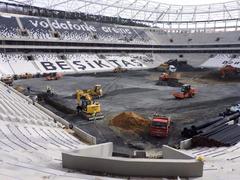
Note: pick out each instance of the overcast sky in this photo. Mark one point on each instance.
(192, 2)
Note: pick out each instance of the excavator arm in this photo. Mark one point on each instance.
(80, 94)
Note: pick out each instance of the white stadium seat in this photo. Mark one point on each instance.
(20, 65)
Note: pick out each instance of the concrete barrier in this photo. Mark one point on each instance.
(171, 153)
(98, 159)
(100, 150)
(85, 136)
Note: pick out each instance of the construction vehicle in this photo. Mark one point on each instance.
(172, 69)
(160, 126)
(169, 78)
(186, 92)
(49, 91)
(95, 92)
(164, 77)
(54, 76)
(231, 110)
(165, 67)
(7, 80)
(169, 73)
(25, 76)
(228, 71)
(89, 109)
(119, 70)
(235, 108)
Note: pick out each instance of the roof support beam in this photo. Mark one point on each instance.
(227, 11)
(179, 13)
(140, 10)
(209, 12)
(123, 9)
(83, 6)
(57, 4)
(107, 6)
(194, 14)
(154, 10)
(162, 14)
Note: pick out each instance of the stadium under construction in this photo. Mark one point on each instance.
(119, 89)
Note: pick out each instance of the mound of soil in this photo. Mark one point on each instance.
(130, 121)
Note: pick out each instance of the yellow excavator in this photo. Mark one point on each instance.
(89, 109)
(95, 92)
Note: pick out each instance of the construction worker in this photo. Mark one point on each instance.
(78, 108)
(48, 90)
(28, 89)
(8, 90)
(34, 99)
(94, 115)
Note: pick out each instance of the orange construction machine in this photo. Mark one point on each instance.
(228, 71)
(169, 74)
(186, 92)
(160, 126)
(54, 76)
(164, 77)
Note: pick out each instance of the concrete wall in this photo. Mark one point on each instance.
(171, 153)
(99, 150)
(186, 144)
(97, 161)
(88, 138)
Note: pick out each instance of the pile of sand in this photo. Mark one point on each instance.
(130, 121)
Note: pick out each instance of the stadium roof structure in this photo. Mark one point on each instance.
(142, 10)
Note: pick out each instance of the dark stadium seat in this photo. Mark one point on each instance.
(9, 27)
(71, 30)
(38, 28)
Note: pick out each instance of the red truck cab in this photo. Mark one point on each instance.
(160, 126)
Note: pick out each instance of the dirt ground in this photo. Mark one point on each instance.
(137, 91)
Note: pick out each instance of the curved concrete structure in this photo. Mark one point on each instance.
(98, 158)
